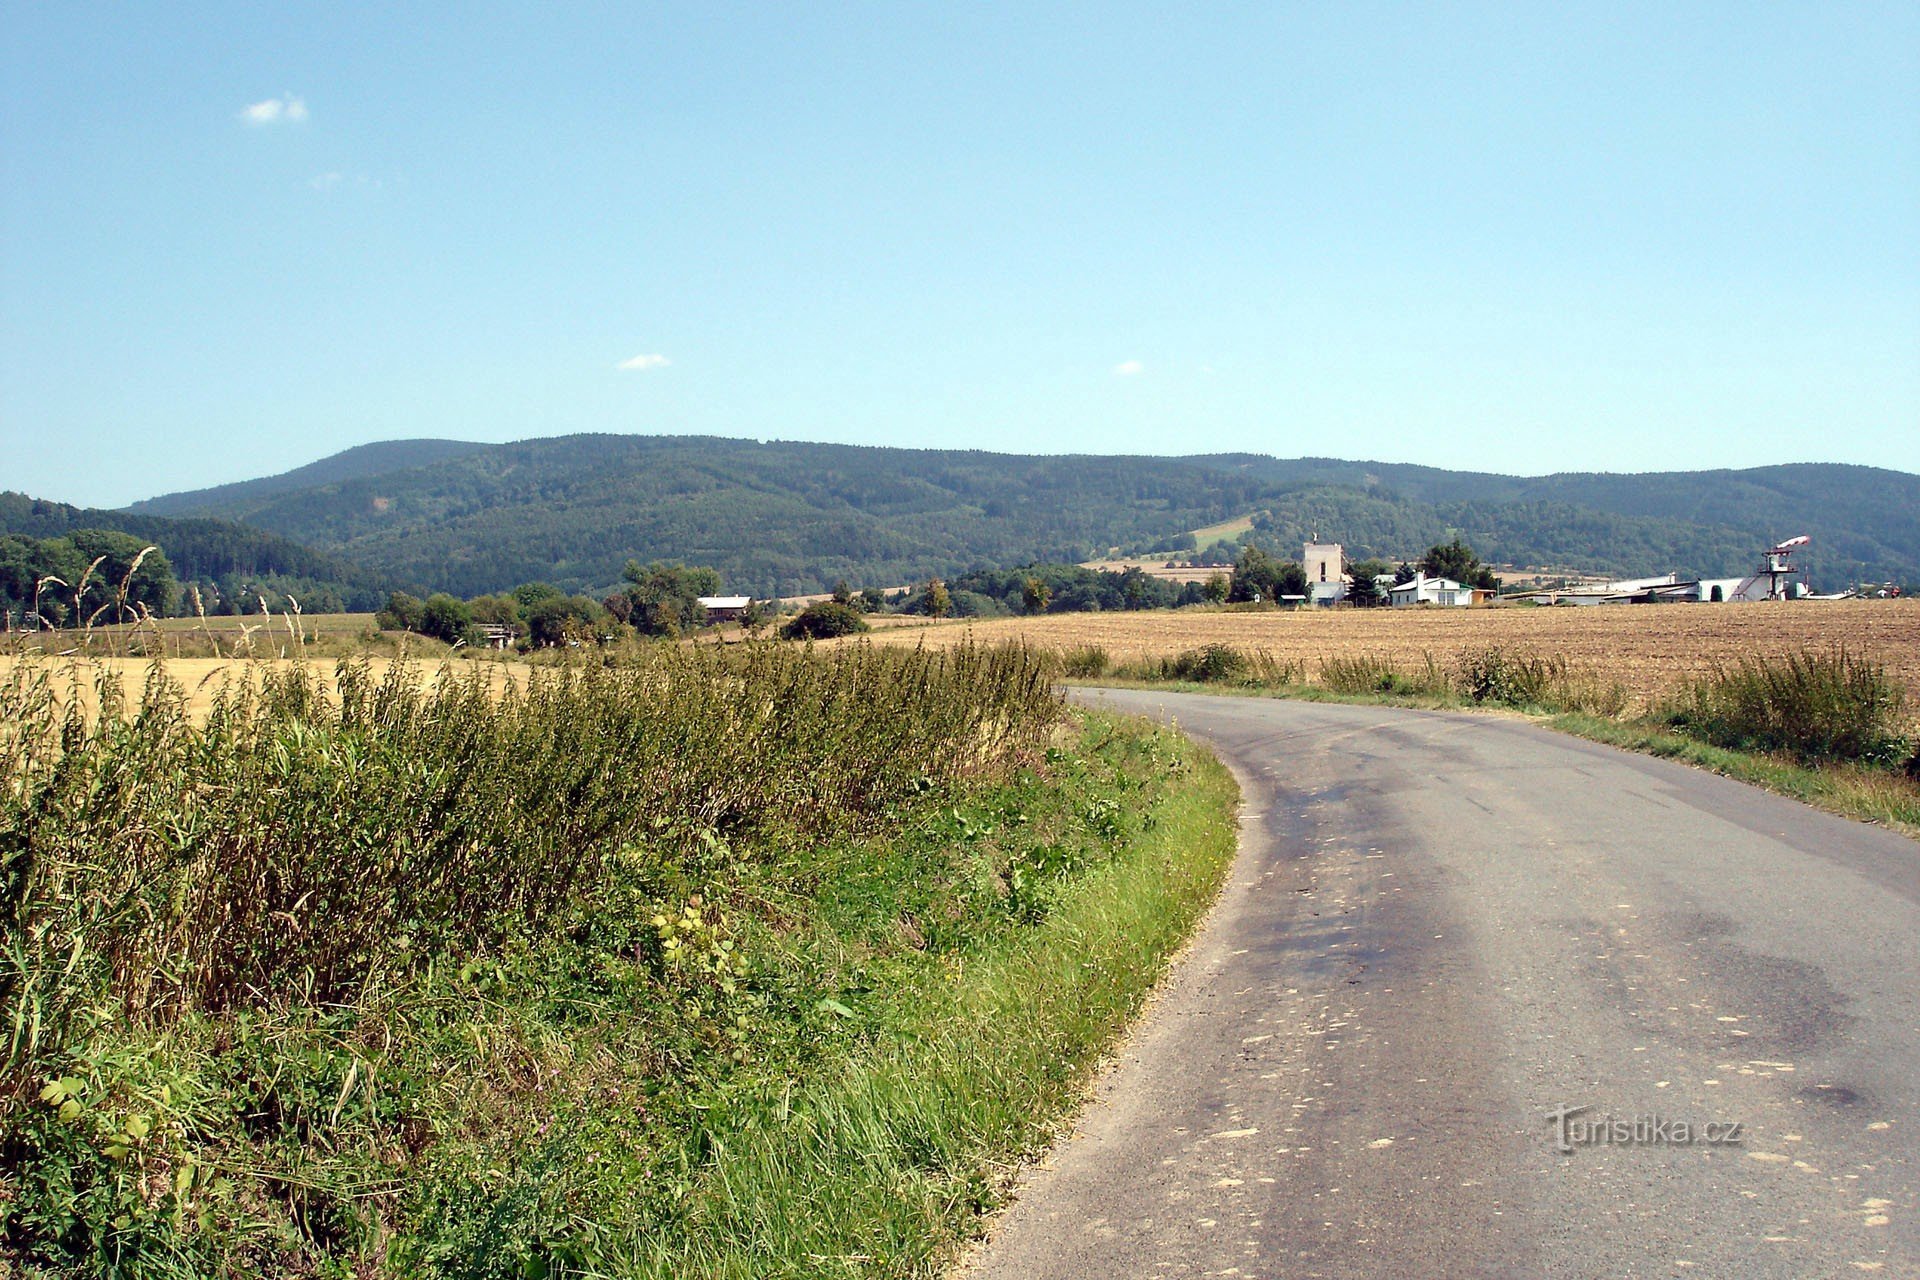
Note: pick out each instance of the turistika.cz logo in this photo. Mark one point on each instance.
(1573, 1129)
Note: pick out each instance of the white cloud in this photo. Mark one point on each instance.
(275, 110)
(1128, 369)
(642, 363)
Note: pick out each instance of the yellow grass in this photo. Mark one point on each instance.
(1161, 569)
(1646, 648)
(201, 678)
(1225, 529)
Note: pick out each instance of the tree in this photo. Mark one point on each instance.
(529, 594)
(1258, 576)
(403, 613)
(445, 618)
(665, 596)
(1253, 577)
(499, 611)
(1035, 595)
(843, 594)
(132, 574)
(938, 602)
(824, 619)
(557, 620)
(1365, 591)
(1215, 588)
(1457, 560)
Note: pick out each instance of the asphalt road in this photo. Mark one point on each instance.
(1441, 930)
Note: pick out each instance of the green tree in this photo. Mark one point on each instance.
(559, 620)
(1365, 592)
(445, 618)
(824, 619)
(402, 613)
(496, 610)
(132, 574)
(1215, 588)
(665, 596)
(1253, 576)
(529, 594)
(1457, 560)
(938, 602)
(1035, 595)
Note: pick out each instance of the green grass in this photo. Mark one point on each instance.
(1818, 706)
(893, 1156)
(761, 962)
(1864, 792)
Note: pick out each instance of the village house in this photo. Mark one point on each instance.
(1424, 590)
(725, 608)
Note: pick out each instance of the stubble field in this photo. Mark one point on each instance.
(1648, 649)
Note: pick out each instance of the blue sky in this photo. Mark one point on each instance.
(1517, 237)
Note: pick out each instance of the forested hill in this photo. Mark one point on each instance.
(376, 459)
(1867, 518)
(234, 558)
(785, 518)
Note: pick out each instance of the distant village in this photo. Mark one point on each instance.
(1330, 582)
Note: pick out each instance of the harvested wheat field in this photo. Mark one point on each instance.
(1646, 648)
(201, 679)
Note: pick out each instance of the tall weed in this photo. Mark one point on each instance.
(1377, 673)
(1816, 706)
(328, 841)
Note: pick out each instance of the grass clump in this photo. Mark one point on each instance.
(613, 970)
(1816, 706)
(1517, 680)
(1220, 664)
(1212, 664)
(1370, 673)
(1085, 662)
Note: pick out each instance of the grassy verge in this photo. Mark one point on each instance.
(763, 963)
(1823, 727)
(887, 1159)
(1855, 791)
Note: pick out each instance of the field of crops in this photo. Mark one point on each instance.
(1648, 649)
(202, 680)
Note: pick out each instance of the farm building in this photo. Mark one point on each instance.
(1326, 567)
(1424, 590)
(725, 608)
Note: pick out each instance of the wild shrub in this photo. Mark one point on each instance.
(1513, 679)
(824, 620)
(331, 841)
(1816, 706)
(1221, 664)
(1211, 664)
(481, 980)
(1087, 661)
(1376, 673)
